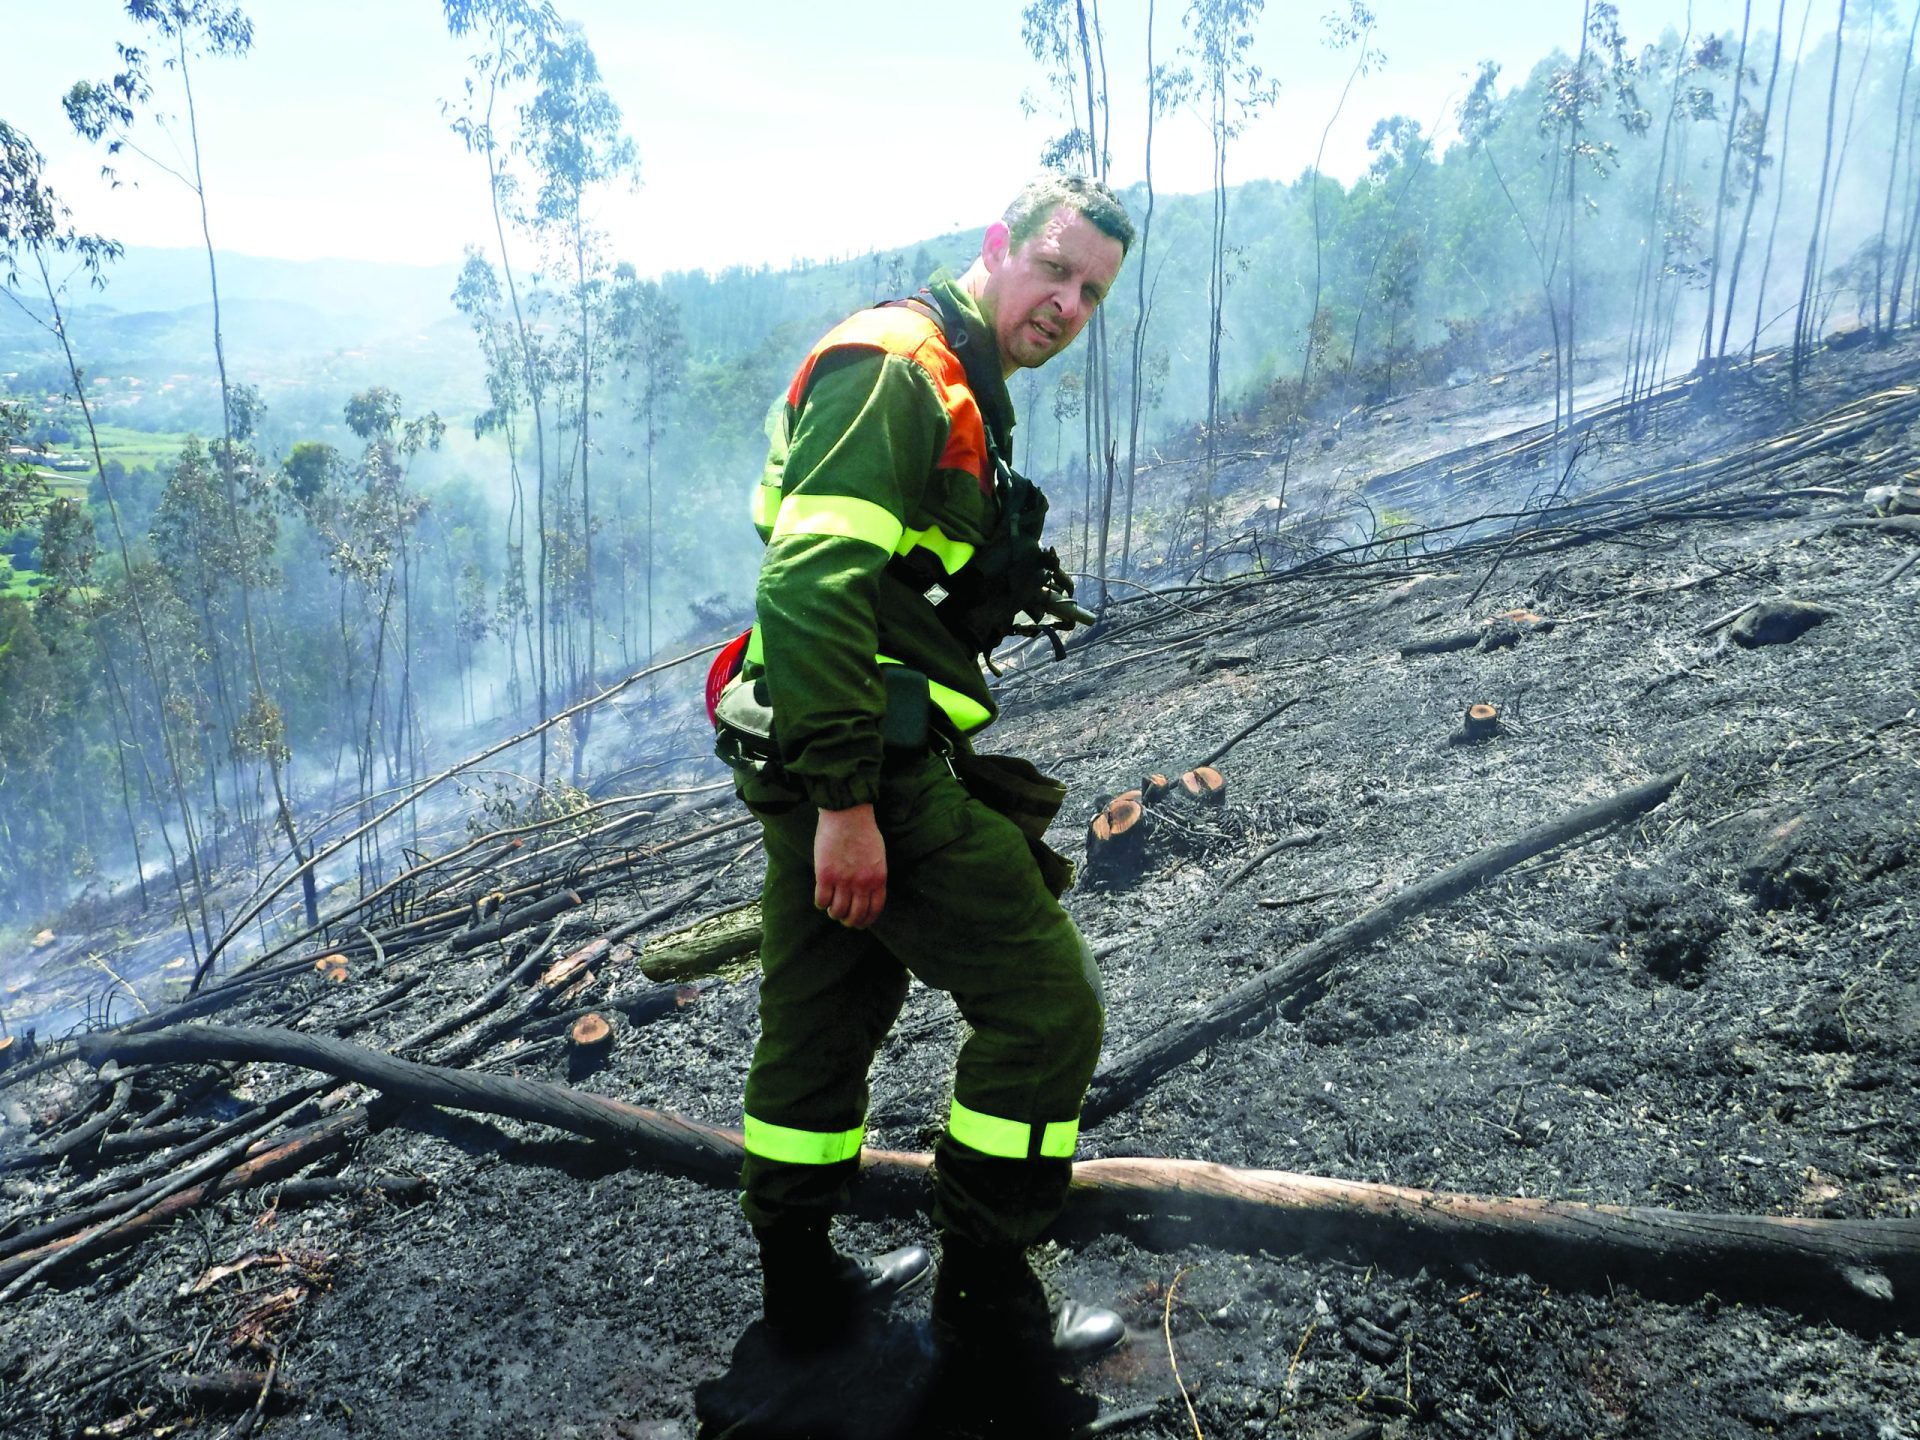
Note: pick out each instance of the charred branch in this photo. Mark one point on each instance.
(1811, 1263)
(1129, 1074)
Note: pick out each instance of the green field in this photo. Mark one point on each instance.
(132, 448)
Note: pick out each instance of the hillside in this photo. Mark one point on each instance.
(1706, 1005)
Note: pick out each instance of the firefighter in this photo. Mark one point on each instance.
(901, 547)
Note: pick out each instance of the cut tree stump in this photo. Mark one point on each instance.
(1116, 832)
(591, 1032)
(1202, 785)
(1482, 722)
(1866, 1268)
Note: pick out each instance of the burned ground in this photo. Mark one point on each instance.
(1712, 1007)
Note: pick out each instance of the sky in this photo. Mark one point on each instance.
(768, 130)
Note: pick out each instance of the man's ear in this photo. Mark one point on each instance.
(993, 246)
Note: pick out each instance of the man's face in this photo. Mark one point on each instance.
(1038, 296)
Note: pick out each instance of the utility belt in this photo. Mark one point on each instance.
(911, 725)
(911, 728)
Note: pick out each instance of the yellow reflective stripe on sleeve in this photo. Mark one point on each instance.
(766, 508)
(966, 713)
(838, 515)
(801, 1147)
(1009, 1139)
(951, 554)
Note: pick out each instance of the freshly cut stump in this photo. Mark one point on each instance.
(1204, 785)
(1482, 722)
(1121, 823)
(591, 1033)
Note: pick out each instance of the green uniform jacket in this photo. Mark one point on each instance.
(879, 449)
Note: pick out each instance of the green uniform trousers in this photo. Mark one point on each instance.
(967, 912)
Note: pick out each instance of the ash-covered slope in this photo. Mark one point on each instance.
(1714, 1007)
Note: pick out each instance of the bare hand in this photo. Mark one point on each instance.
(850, 866)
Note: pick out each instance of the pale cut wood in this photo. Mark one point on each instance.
(705, 946)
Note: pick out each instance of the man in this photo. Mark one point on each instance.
(900, 546)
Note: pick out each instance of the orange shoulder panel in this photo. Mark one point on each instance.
(900, 330)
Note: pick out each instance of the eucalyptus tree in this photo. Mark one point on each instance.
(1482, 115)
(1233, 90)
(1780, 188)
(515, 36)
(1069, 42)
(1168, 87)
(1902, 132)
(1757, 161)
(651, 351)
(1803, 326)
(503, 344)
(1659, 261)
(1350, 29)
(1401, 153)
(1727, 174)
(186, 31)
(36, 226)
(376, 550)
(1576, 102)
(572, 137)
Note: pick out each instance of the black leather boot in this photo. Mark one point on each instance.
(813, 1295)
(987, 1299)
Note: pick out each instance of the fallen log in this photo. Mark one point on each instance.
(1817, 1265)
(230, 1387)
(514, 921)
(704, 946)
(1124, 1078)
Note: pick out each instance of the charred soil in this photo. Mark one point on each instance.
(1711, 1007)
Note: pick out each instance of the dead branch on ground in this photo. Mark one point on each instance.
(1806, 1262)
(1129, 1074)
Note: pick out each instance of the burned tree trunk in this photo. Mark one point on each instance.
(1814, 1264)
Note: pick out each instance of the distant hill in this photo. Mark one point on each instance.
(363, 299)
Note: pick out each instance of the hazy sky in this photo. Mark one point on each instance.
(767, 129)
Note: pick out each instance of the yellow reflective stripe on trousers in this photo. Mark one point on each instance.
(801, 1147)
(966, 713)
(951, 554)
(838, 515)
(1009, 1139)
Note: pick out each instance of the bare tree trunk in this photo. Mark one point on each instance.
(272, 745)
(1803, 320)
(1893, 174)
(1295, 420)
(1720, 194)
(1646, 291)
(1136, 398)
(1780, 191)
(1753, 190)
(149, 662)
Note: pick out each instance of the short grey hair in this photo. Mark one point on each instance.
(1085, 197)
